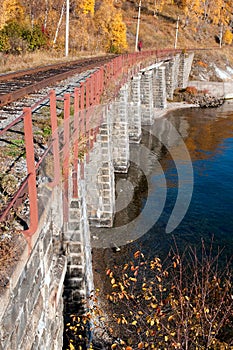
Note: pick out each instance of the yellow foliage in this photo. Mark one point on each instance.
(12, 10)
(118, 33)
(81, 36)
(71, 346)
(228, 37)
(216, 11)
(110, 27)
(193, 9)
(87, 6)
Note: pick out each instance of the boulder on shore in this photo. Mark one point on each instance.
(201, 99)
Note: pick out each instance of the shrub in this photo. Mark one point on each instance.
(182, 303)
(228, 37)
(13, 32)
(192, 90)
(34, 37)
(202, 64)
(16, 38)
(4, 43)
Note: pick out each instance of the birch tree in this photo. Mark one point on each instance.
(59, 22)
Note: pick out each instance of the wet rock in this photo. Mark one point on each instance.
(207, 101)
(198, 98)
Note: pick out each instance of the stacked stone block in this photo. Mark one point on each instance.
(74, 291)
(100, 182)
(176, 61)
(171, 75)
(120, 132)
(77, 247)
(186, 60)
(159, 88)
(134, 110)
(147, 98)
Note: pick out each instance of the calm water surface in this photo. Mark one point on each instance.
(208, 136)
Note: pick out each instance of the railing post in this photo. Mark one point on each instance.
(76, 141)
(101, 83)
(30, 159)
(93, 89)
(87, 119)
(91, 118)
(82, 121)
(66, 151)
(55, 140)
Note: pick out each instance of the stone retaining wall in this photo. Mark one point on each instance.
(31, 308)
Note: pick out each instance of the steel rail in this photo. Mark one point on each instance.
(30, 71)
(52, 74)
(34, 80)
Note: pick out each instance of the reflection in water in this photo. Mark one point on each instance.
(208, 135)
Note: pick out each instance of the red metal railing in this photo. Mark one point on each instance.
(86, 96)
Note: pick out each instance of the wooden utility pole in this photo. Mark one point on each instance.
(220, 35)
(177, 29)
(67, 27)
(138, 25)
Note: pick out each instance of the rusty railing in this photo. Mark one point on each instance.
(85, 96)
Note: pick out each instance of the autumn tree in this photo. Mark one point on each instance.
(17, 38)
(215, 10)
(110, 28)
(82, 35)
(193, 9)
(12, 10)
(86, 6)
(34, 9)
(158, 6)
(227, 37)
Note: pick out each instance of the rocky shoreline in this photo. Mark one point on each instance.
(206, 101)
(201, 99)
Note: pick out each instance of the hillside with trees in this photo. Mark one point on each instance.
(110, 25)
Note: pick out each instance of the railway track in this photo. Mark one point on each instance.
(30, 88)
(16, 85)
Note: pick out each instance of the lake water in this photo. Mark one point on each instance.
(183, 172)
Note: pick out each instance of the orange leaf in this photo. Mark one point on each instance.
(133, 279)
(159, 278)
(140, 345)
(128, 348)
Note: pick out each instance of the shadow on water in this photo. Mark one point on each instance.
(208, 136)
